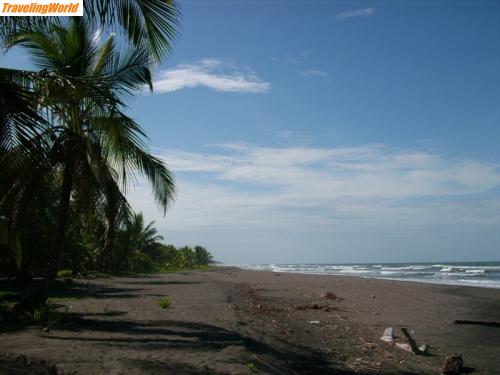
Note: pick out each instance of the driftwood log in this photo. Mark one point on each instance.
(413, 344)
(478, 323)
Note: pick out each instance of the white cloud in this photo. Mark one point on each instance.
(219, 75)
(254, 192)
(314, 73)
(356, 13)
(366, 171)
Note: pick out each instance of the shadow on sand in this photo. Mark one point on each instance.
(195, 337)
(158, 282)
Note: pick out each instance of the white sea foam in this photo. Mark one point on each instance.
(476, 274)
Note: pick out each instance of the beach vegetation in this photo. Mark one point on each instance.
(63, 274)
(43, 315)
(165, 302)
(251, 366)
(7, 295)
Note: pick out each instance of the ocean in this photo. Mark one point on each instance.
(482, 274)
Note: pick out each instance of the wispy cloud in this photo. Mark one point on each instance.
(217, 74)
(364, 176)
(365, 171)
(369, 190)
(354, 13)
(314, 73)
(294, 58)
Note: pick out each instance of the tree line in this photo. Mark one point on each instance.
(138, 248)
(69, 151)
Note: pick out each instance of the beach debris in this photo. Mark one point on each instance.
(314, 306)
(403, 345)
(314, 322)
(309, 306)
(388, 335)
(372, 296)
(328, 295)
(267, 308)
(329, 308)
(424, 348)
(413, 344)
(478, 323)
(453, 365)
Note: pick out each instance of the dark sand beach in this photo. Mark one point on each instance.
(232, 321)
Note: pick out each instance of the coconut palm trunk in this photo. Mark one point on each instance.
(40, 294)
(62, 223)
(104, 258)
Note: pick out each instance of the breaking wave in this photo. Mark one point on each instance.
(486, 274)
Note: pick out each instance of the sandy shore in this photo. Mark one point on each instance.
(232, 321)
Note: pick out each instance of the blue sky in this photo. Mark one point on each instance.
(330, 131)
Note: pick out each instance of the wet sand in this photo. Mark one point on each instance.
(232, 321)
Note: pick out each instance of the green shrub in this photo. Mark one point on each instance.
(41, 316)
(6, 295)
(164, 302)
(141, 263)
(251, 366)
(64, 274)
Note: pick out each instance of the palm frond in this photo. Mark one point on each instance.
(149, 23)
(128, 154)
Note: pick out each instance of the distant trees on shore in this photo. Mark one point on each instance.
(137, 249)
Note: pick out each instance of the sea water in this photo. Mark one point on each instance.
(483, 274)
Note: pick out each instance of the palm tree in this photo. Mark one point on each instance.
(141, 237)
(149, 25)
(97, 147)
(19, 123)
(202, 256)
(146, 24)
(135, 238)
(148, 235)
(24, 156)
(186, 257)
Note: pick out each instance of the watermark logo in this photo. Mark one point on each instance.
(41, 8)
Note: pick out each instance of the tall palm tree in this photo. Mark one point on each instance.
(96, 146)
(146, 24)
(24, 141)
(20, 122)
